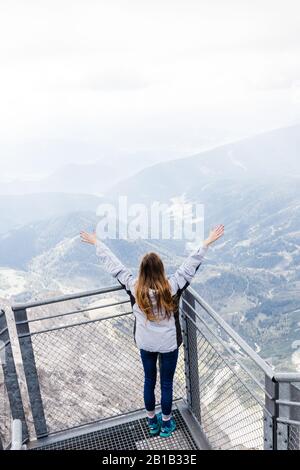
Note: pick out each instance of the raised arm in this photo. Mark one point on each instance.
(185, 273)
(110, 262)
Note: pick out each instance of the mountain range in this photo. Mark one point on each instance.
(251, 276)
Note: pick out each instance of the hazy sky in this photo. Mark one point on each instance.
(81, 79)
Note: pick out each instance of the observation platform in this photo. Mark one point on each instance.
(71, 378)
(129, 432)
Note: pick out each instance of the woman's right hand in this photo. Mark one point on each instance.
(214, 235)
(90, 238)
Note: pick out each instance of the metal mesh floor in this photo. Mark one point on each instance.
(133, 435)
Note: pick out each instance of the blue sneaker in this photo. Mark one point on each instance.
(166, 431)
(154, 428)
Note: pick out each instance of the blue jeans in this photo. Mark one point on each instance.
(167, 366)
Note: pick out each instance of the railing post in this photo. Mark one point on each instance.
(10, 377)
(191, 354)
(30, 371)
(288, 393)
(295, 412)
(271, 414)
(17, 435)
(284, 393)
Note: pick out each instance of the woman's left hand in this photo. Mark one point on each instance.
(90, 238)
(214, 235)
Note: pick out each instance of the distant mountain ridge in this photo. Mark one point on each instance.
(252, 276)
(19, 210)
(273, 154)
(84, 178)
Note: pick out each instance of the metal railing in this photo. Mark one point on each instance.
(17, 435)
(80, 361)
(237, 398)
(82, 366)
(288, 411)
(11, 405)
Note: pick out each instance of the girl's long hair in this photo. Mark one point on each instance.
(152, 276)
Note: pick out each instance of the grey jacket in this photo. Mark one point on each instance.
(163, 335)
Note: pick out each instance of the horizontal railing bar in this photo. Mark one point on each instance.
(243, 345)
(287, 377)
(24, 335)
(288, 403)
(72, 312)
(245, 368)
(63, 298)
(288, 421)
(228, 364)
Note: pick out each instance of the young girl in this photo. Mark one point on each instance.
(155, 304)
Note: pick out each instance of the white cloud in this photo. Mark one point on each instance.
(133, 75)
